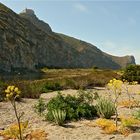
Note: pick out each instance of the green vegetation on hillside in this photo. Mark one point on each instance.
(132, 73)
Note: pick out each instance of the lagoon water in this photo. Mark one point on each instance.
(29, 76)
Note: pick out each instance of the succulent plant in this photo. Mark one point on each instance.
(105, 108)
(59, 116)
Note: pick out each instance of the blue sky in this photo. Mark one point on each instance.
(113, 25)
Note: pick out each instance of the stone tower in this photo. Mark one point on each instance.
(28, 11)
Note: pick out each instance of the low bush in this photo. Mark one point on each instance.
(75, 107)
(40, 107)
(51, 86)
(87, 96)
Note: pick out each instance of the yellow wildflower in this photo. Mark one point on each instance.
(7, 91)
(12, 92)
(16, 89)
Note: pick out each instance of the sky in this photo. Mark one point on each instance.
(111, 25)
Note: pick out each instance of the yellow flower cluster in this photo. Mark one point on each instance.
(107, 125)
(115, 84)
(12, 92)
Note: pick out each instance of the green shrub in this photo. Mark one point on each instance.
(59, 116)
(40, 107)
(132, 73)
(137, 114)
(74, 107)
(105, 108)
(87, 96)
(86, 111)
(69, 83)
(50, 86)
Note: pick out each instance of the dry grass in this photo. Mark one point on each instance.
(59, 79)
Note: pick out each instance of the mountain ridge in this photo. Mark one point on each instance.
(31, 44)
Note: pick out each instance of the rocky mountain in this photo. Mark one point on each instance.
(27, 43)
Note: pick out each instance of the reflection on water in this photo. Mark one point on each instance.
(29, 76)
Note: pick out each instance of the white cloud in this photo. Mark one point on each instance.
(80, 7)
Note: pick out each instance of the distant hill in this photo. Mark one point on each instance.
(27, 43)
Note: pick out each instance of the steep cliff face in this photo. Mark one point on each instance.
(122, 61)
(27, 43)
(30, 15)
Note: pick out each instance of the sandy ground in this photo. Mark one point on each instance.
(72, 131)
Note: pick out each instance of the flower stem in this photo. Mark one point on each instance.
(18, 119)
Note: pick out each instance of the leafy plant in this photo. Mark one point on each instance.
(40, 107)
(105, 108)
(86, 110)
(75, 107)
(51, 86)
(86, 96)
(59, 116)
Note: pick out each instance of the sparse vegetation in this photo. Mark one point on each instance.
(129, 121)
(85, 104)
(40, 107)
(105, 108)
(51, 86)
(59, 79)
